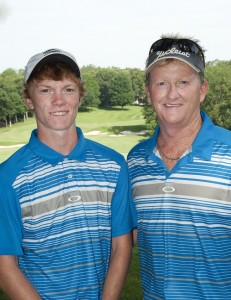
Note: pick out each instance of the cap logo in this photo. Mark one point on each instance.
(172, 51)
(50, 51)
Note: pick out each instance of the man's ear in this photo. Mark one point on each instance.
(29, 103)
(204, 90)
(80, 101)
(148, 95)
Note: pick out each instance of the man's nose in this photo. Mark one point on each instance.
(58, 97)
(173, 91)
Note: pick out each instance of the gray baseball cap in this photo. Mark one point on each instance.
(51, 55)
(185, 50)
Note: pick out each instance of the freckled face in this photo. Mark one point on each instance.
(55, 104)
(175, 92)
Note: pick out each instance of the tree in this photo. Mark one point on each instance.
(104, 78)
(115, 87)
(91, 98)
(3, 107)
(121, 92)
(138, 80)
(150, 118)
(12, 104)
(218, 99)
(108, 87)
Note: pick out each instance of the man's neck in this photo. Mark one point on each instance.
(60, 141)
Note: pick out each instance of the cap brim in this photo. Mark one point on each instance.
(149, 68)
(58, 58)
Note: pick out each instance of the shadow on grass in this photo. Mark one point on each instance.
(115, 108)
(129, 129)
(85, 109)
(90, 109)
(3, 296)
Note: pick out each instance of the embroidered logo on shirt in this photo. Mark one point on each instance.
(74, 198)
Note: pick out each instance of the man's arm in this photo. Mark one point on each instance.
(13, 282)
(118, 266)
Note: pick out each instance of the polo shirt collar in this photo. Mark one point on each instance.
(51, 156)
(202, 146)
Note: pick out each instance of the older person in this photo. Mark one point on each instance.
(181, 182)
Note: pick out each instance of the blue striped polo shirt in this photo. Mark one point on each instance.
(184, 218)
(59, 213)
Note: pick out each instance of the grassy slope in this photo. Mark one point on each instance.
(111, 122)
(107, 121)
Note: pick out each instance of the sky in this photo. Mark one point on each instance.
(107, 33)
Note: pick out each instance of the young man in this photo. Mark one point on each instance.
(65, 213)
(181, 182)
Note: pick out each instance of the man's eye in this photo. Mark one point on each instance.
(45, 91)
(182, 83)
(68, 91)
(162, 84)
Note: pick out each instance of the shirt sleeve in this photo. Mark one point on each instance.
(10, 223)
(123, 209)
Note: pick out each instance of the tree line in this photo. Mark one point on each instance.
(110, 87)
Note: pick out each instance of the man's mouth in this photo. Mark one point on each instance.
(172, 105)
(59, 113)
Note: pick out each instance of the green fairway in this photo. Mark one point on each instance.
(118, 129)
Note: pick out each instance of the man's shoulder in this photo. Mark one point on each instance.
(139, 149)
(12, 165)
(223, 134)
(218, 133)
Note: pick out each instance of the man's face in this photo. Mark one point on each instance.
(55, 104)
(175, 92)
